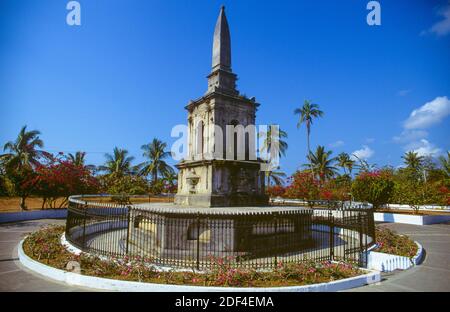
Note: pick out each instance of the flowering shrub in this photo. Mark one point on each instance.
(303, 185)
(375, 187)
(44, 246)
(276, 191)
(61, 178)
(390, 242)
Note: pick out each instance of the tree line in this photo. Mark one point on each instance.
(420, 181)
(26, 169)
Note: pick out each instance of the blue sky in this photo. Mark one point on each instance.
(125, 75)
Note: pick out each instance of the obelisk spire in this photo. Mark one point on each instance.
(221, 77)
(221, 58)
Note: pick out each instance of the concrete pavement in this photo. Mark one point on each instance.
(434, 272)
(432, 275)
(14, 276)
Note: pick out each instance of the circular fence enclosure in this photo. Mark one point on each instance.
(260, 237)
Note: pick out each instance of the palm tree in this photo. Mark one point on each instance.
(24, 152)
(364, 165)
(170, 178)
(321, 163)
(345, 162)
(445, 163)
(307, 113)
(119, 163)
(155, 152)
(275, 177)
(413, 161)
(78, 160)
(282, 144)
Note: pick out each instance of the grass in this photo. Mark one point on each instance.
(12, 204)
(44, 246)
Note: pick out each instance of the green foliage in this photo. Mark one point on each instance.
(119, 163)
(322, 164)
(374, 187)
(156, 165)
(345, 162)
(307, 113)
(117, 184)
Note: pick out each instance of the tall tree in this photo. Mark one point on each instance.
(156, 154)
(307, 113)
(445, 163)
(345, 162)
(78, 159)
(25, 151)
(413, 161)
(363, 165)
(322, 163)
(119, 163)
(268, 137)
(275, 177)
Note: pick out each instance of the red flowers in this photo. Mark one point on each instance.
(62, 178)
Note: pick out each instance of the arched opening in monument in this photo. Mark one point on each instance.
(200, 232)
(234, 123)
(199, 138)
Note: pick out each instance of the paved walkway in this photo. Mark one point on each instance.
(432, 275)
(14, 276)
(434, 272)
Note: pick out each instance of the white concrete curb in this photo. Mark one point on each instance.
(33, 215)
(116, 285)
(386, 262)
(410, 219)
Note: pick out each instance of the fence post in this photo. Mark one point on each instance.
(361, 249)
(84, 226)
(198, 241)
(275, 214)
(128, 229)
(331, 223)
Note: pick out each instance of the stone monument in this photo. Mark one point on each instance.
(221, 168)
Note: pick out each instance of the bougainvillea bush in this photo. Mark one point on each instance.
(390, 242)
(303, 185)
(375, 187)
(276, 191)
(44, 246)
(60, 178)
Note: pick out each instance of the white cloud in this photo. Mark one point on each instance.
(336, 144)
(410, 135)
(429, 114)
(423, 148)
(364, 153)
(442, 27)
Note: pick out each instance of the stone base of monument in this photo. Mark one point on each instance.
(173, 233)
(215, 200)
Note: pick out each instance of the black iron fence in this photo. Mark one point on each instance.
(183, 238)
